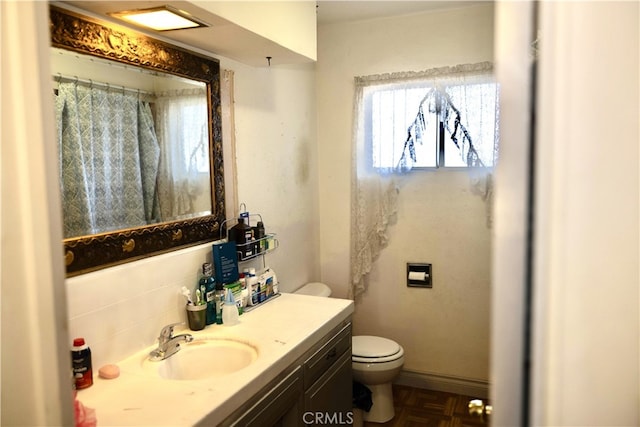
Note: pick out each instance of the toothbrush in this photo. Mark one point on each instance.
(203, 293)
(187, 294)
(198, 297)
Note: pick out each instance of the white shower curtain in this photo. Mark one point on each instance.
(108, 159)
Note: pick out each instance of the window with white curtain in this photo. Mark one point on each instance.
(184, 162)
(437, 118)
(449, 121)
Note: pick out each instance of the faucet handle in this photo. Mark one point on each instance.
(167, 331)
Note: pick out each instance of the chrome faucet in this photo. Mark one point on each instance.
(168, 344)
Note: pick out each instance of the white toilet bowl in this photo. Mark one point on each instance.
(375, 362)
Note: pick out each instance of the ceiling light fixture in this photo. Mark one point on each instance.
(164, 18)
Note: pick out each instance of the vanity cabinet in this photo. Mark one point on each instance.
(327, 378)
(280, 405)
(317, 386)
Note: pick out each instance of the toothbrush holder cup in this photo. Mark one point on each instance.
(197, 316)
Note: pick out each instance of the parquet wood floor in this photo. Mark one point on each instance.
(416, 407)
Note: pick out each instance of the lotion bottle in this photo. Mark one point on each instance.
(230, 315)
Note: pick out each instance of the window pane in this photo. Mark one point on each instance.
(478, 107)
(452, 157)
(392, 112)
(426, 152)
(394, 115)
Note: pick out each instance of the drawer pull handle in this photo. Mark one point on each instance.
(331, 354)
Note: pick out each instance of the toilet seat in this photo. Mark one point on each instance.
(371, 349)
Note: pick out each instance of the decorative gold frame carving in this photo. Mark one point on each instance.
(82, 34)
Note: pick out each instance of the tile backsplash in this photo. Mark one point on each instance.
(121, 309)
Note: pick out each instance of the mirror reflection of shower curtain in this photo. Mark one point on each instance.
(183, 138)
(108, 159)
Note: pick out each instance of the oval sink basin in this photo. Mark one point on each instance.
(204, 358)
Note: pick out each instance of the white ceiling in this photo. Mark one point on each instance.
(226, 39)
(356, 10)
(222, 37)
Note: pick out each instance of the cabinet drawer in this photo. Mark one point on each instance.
(332, 392)
(276, 405)
(327, 355)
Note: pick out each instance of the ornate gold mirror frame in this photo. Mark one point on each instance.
(82, 34)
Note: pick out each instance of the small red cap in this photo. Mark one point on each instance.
(78, 342)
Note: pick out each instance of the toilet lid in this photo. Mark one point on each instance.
(370, 346)
(317, 289)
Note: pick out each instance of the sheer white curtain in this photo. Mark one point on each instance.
(393, 115)
(183, 136)
(374, 200)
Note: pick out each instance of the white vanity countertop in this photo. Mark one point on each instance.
(282, 330)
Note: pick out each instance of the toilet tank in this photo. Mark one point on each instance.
(314, 288)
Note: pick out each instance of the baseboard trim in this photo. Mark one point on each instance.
(446, 383)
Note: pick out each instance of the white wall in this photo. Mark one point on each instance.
(289, 23)
(36, 376)
(445, 330)
(587, 329)
(276, 167)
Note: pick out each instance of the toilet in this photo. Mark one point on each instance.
(375, 362)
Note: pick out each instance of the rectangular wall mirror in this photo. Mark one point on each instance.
(139, 141)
